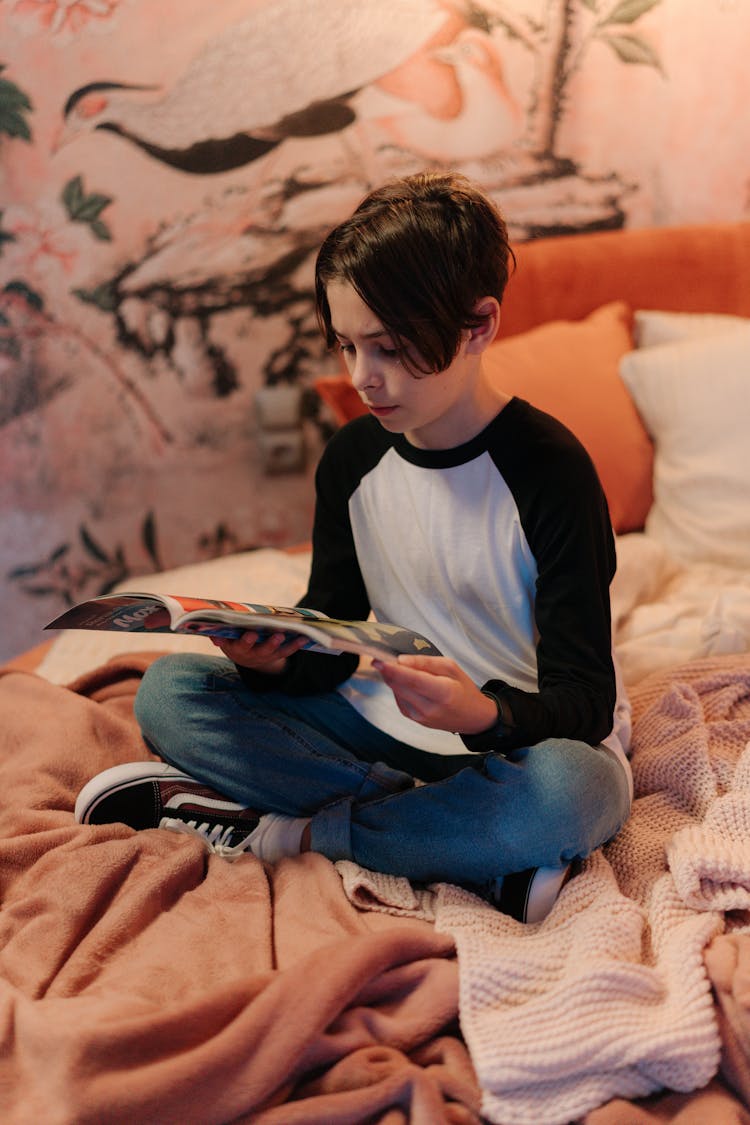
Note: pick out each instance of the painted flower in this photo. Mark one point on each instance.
(65, 15)
(38, 238)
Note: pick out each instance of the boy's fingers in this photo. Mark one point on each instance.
(259, 647)
(414, 688)
(414, 671)
(435, 665)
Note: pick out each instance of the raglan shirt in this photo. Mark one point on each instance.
(500, 550)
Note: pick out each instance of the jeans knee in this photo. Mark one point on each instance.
(579, 794)
(163, 692)
(595, 798)
(151, 694)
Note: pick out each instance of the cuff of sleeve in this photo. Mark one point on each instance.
(491, 740)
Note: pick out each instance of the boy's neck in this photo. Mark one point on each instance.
(468, 418)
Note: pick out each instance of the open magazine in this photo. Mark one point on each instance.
(132, 612)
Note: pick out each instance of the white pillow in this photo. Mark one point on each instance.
(651, 327)
(694, 399)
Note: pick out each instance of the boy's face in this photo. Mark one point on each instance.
(435, 411)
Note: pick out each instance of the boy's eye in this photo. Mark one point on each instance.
(384, 350)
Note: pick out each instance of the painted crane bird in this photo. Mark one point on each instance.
(291, 69)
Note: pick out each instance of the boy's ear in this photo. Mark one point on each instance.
(482, 336)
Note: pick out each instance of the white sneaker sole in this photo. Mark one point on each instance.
(544, 890)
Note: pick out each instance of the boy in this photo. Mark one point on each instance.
(452, 509)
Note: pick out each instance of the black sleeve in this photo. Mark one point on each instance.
(566, 521)
(335, 586)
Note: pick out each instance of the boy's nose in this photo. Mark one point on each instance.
(364, 373)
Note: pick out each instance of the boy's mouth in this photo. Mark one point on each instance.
(380, 411)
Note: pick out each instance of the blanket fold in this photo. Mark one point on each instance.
(610, 997)
(143, 979)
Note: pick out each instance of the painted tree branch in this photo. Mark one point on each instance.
(38, 324)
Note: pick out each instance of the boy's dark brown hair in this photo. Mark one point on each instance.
(420, 252)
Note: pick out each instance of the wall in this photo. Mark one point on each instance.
(168, 169)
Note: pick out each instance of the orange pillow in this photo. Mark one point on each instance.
(340, 397)
(570, 370)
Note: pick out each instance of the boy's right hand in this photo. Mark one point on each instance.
(260, 652)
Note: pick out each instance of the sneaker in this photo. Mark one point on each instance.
(156, 795)
(528, 896)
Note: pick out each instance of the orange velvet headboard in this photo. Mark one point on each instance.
(679, 269)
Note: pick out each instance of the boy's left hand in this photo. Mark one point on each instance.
(436, 692)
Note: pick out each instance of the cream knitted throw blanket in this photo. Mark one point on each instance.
(609, 996)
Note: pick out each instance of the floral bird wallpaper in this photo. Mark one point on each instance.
(167, 171)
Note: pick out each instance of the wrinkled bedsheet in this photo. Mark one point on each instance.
(144, 980)
(611, 995)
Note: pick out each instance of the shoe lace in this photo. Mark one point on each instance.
(216, 837)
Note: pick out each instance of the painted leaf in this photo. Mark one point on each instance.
(14, 125)
(83, 208)
(5, 235)
(23, 290)
(101, 231)
(149, 538)
(103, 296)
(45, 592)
(13, 105)
(92, 546)
(72, 194)
(632, 49)
(628, 11)
(24, 571)
(91, 206)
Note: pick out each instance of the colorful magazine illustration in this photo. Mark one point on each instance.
(134, 612)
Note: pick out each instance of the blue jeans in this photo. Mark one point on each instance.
(474, 817)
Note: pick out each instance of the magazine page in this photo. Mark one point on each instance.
(376, 638)
(134, 612)
(208, 609)
(131, 613)
(140, 612)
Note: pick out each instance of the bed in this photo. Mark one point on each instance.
(145, 980)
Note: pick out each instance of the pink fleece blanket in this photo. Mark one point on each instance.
(144, 980)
